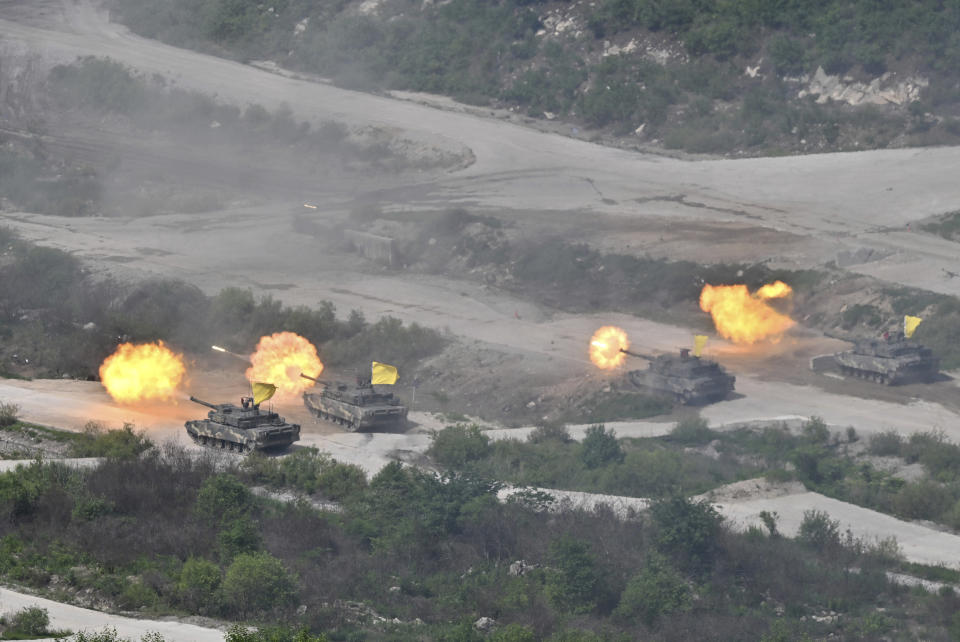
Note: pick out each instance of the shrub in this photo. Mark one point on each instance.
(8, 414)
(256, 582)
(457, 446)
(223, 498)
(28, 621)
(573, 584)
(240, 633)
(199, 581)
(600, 448)
(549, 432)
(687, 530)
(238, 536)
(692, 431)
(125, 443)
(819, 531)
(656, 591)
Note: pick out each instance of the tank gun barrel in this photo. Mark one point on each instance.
(202, 402)
(315, 380)
(637, 354)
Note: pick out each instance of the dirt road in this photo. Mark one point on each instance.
(76, 619)
(855, 199)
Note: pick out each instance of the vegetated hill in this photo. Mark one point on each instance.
(751, 77)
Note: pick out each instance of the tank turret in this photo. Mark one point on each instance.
(689, 379)
(241, 428)
(890, 359)
(357, 406)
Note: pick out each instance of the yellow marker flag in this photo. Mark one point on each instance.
(910, 325)
(262, 392)
(699, 340)
(381, 373)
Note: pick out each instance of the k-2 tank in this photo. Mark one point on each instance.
(242, 428)
(356, 407)
(890, 359)
(689, 379)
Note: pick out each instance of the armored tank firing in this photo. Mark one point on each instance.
(241, 428)
(889, 360)
(689, 379)
(356, 407)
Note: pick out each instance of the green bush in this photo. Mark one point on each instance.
(240, 633)
(886, 444)
(255, 583)
(819, 531)
(198, 584)
(125, 443)
(30, 621)
(656, 591)
(600, 448)
(692, 431)
(237, 536)
(687, 530)
(458, 446)
(8, 414)
(223, 498)
(574, 583)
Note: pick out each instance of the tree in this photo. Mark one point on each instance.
(600, 448)
(199, 581)
(457, 446)
(574, 584)
(818, 530)
(656, 591)
(256, 582)
(687, 530)
(222, 498)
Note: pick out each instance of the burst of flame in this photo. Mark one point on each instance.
(605, 347)
(743, 317)
(280, 358)
(142, 372)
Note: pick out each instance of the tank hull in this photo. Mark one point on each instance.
(684, 377)
(692, 392)
(356, 417)
(887, 371)
(892, 360)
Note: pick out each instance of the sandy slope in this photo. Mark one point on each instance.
(66, 616)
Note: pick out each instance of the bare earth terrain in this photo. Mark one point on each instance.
(792, 212)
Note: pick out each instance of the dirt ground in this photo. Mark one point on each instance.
(507, 352)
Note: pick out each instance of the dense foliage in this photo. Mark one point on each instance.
(57, 320)
(413, 556)
(503, 52)
(694, 459)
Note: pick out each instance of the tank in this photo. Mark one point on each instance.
(242, 428)
(890, 359)
(358, 406)
(691, 380)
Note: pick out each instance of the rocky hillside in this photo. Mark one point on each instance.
(755, 77)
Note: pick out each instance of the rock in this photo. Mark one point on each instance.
(532, 404)
(394, 589)
(518, 568)
(302, 610)
(485, 624)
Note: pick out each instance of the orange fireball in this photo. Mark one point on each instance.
(743, 317)
(142, 372)
(605, 347)
(280, 358)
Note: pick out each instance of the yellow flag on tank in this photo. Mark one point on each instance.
(699, 340)
(262, 392)
(910, 325)
(381, 373)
